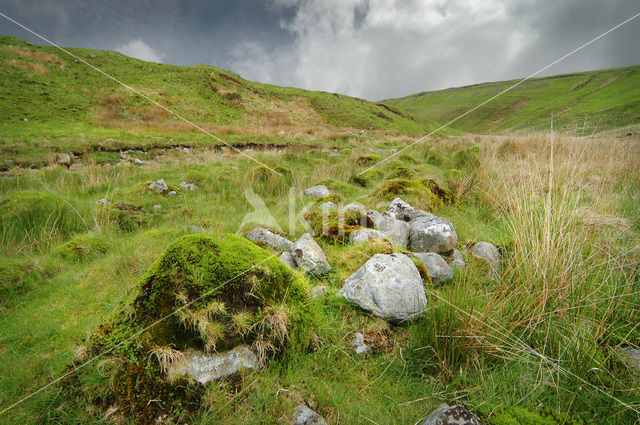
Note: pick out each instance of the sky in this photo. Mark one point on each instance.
(373, 49)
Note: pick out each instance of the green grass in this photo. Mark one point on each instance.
(568, 287)
(583, 103)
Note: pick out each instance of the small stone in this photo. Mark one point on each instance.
(186, 150)
(204, 368)
(266, 236)
(361, 236)
(138, 161)
(457, 260)
(287, 260)
(319, 191)
(489, 253)
(63, 158)
(354, 206)
(157, 207)
(401, 210)
(159, 186)
(326, 206)
(450, 415)
(305, 416)
(358, 345)
(173, 193)
(102, 201)
(75, 166)
(92, 56)
(187, 186)
(319, 291)
(309, 256)
(439, 270)
(632, 355)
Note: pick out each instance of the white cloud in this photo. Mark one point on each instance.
(139, 49)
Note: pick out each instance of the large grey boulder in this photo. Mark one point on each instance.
(450, 415)
(309, 256)
(489, 253)
(305, 416)
(389, 286)
(319, 191)
(429, 233)
(361, 236)
(159, 186)
(208, 367)
(439, 270)
(397, 231)
(262, 235)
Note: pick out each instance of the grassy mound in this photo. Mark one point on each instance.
(35, 219)
(224, 291)
(422, 193)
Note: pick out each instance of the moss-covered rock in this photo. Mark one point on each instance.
(336, 225)
(208, 292)
(365, 179)
(422, 193)
(369, 159)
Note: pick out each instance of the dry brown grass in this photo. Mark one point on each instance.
(38, 68)
(36, 55)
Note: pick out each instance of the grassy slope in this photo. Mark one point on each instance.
(596, 100)
(55, 87)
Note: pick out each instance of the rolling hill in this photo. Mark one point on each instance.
(583, 103)
(45, 85)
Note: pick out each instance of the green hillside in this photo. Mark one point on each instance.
(596, 100)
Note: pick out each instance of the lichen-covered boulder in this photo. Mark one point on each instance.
(309, 256)
(450, 415)
(439, 270)
(389, 286)
(489, 253)
(361, 236)
(429, 233)
(262, 235)
(319, 191)
(206, 292)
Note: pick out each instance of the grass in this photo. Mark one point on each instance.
(584, 103)
(538, 344)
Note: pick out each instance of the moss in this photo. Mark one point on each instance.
(84, 247)
(334, 226)
(366, 160)
(128, 217)
(208, 281)
(422, 193)
(365, 179)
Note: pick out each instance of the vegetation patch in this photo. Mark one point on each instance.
(423, 193)
(218, 305)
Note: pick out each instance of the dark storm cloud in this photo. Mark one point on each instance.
(368, 48)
